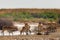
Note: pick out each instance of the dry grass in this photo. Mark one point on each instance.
(28, 37)
(28, 10)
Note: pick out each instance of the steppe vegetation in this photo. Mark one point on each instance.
(27, 16)
(17, 16)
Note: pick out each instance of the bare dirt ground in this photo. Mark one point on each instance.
(29, 37)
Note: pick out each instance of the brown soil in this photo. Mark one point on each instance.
(2, 11)
(28, 37)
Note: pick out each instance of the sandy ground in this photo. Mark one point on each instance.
(30, 37)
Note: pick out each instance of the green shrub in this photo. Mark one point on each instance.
(26, 15)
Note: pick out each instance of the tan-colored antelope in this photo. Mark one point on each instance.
(52, 27)
(7, 25)
(25, 29)
(42, 28)
(10, 29)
